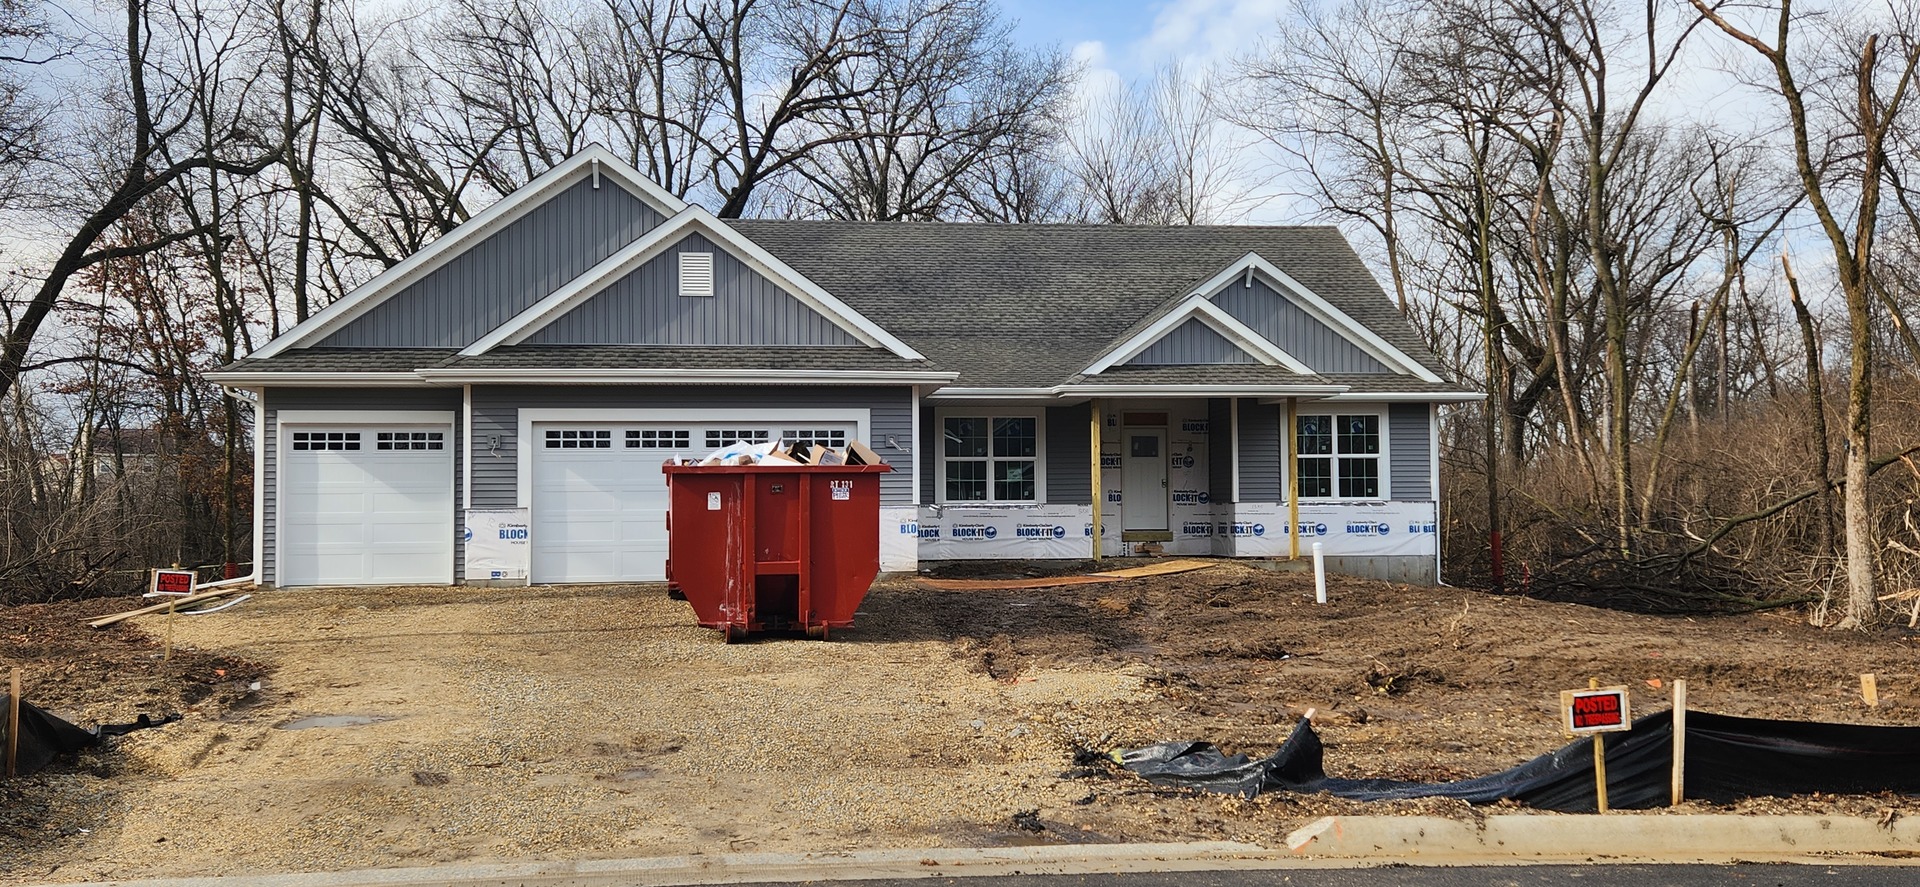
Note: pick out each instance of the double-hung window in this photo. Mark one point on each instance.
(1337, 456)
(989, 458)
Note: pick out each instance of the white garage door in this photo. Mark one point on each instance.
(366, 505)
(599, 501)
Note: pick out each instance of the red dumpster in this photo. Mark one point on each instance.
(759, 547)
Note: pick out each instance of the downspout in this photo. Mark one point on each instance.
(1292, 468)
(259, 398)
(1093, 410)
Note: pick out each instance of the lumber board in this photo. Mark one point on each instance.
(980, 584)
(208, 595)
(1160, 569)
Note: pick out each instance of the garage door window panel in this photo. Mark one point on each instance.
(409, 440)
(659, 439)
(723, 437)
(579, 439)
(315, 441)
(825, 437)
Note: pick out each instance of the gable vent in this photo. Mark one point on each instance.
(696, 274)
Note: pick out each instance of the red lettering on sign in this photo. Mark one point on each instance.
(173, 582)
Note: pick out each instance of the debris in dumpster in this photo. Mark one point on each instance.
(777, 453)
(44, 736)
(1727, 759)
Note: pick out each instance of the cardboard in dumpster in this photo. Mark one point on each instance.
(775, 453)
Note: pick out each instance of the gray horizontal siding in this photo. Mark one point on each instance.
(1260, 451)
(1070, 455)
(1220, 448)
(1410, 446)
(496, 422)
(507, 272)
(646, 308)
(365, 400)
(1285, 324)
(1192, 343)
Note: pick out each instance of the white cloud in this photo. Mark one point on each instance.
(1203, 32)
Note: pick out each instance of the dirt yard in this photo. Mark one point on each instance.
(411, 726)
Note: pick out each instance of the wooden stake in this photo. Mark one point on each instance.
(1099, 491)
(1599, 758)
(167, 654)
(1679, 741)
(1870, 690)
(13, 723)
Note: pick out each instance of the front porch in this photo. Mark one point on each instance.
(1179, 476)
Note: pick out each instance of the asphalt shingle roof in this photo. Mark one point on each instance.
(1032, 305)
(343, 360)
(1005, 306)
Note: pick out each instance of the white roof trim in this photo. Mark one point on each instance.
(1091, 389)
(445, 248)
(269, 379)
(1410, 396)
(582, 376)
(692, 219)
(1322, 310)
(1198, 307)
(629, 375)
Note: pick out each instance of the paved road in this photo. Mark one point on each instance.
(1756, 875)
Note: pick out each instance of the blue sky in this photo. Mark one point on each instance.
(1132, 37)
(1071, 22)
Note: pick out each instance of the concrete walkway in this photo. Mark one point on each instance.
(1333, 842)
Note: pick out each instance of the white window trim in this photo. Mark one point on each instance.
(1292, 460)
(283, 446)
(938, 441)
(862, 421)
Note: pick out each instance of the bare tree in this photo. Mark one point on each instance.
(1879, 89)
(951, 90)
(157, 119)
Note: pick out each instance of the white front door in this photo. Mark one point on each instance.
(365, 505)
(1143, 496)
(599, 499)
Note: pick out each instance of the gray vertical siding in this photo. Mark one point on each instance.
(1296, 332)
(1260, 451)
(1192, 343)
(646, 308)
(1069, 455)
(371, 401)
(929, 455)
(1410, 442)
(496, 422)
(507, 272)
(1220, 448)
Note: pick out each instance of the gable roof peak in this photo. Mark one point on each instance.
(593, 161)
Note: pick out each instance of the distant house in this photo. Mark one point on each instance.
(552, 351)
